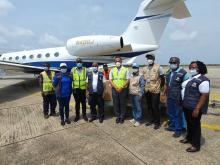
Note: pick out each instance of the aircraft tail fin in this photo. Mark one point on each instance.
(150, 22)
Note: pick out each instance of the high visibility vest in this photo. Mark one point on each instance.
(47, 82)
(119, 80)
(152, 79)
(79, 81)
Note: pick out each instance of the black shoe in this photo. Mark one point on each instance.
(184, 141)
(76, 119)
(46, 116)
(192, 149)
(177, 134)
(92, 119)
(68, 121)
(156, 126)
(183, 130)
(53, 114)
(85, 118)
(101, 120)
(62, 123)
(117, 120)
(122, 121)
(149, 123)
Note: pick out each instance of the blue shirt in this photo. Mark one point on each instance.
(63, 84)
(142, 84)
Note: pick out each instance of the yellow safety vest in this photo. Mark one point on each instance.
(119, 80)
(47, 82)
(79, 81)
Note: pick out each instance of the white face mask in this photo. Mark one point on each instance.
(63, 70)
(118, 64)
(46, 68)
(134, 71)
(193, 72)
(173, 66)
(149, 61)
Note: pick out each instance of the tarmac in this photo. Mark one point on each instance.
(27, 138)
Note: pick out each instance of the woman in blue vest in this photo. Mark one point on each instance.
(96, 88)
(195, 95)
(63, 84)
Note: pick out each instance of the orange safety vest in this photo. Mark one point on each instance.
(106, 74)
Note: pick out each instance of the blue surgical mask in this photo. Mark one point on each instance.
(173, 66)
(193, 72)
(79, 65)
(95, 69)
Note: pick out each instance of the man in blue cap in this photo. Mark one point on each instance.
(136, 91)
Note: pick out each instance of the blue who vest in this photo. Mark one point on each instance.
(192, 94)
(174, 85)
(100, 85)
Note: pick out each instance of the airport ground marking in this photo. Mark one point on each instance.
(215, 127)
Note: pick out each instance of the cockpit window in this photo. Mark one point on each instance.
(47, 55)
(56, 54)
(23, 57)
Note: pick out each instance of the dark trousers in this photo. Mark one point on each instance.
(49, 100)
(80, 97)
(153, 102)
(193, 128)
(64, 107)
(119, 103)
(94, 100)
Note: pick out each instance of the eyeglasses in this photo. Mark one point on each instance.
(173, 62)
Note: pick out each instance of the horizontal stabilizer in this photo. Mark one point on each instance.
(180, 10)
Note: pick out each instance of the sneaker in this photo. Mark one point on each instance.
(136, 124)
(132, 121)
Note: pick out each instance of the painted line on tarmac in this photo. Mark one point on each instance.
(215, 127)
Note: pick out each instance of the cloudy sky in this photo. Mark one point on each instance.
(29, 24)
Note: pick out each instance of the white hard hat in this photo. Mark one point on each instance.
(63, 64)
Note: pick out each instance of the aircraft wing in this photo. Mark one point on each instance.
(22, 67)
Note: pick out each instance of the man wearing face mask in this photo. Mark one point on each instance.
(176, 75)
(63, 84)
(95, 88)
(119, 79)
(154, 78)
(47, 91)
(79, 75)
(136, 91)
(106, 71)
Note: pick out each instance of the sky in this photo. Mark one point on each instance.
(29, 24)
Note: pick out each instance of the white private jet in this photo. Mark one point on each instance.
(142, 36)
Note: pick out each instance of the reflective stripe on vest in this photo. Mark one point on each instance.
(47, 82)
(79, 81)
(119, 80)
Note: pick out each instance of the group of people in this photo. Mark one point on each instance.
(187, 94)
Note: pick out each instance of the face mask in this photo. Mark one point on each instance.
(193, 72)
(118, 64)
(79, 65)
(46, 68)
(134, 71)
(63, 70)
(173, 66)
(95, 69)
(149, 61)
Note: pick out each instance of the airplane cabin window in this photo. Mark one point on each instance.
(17, 57)
(56, 54)
(23, 57)
(10, 58)
(47, 55)
(4, 59)
(31, 56)
(39, 56)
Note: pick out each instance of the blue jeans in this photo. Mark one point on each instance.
(136, 107)
(176, 116)
(64, 104)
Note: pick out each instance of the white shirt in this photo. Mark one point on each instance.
(95, 81)
(204, 87)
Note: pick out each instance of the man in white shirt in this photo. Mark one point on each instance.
(95, 87)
